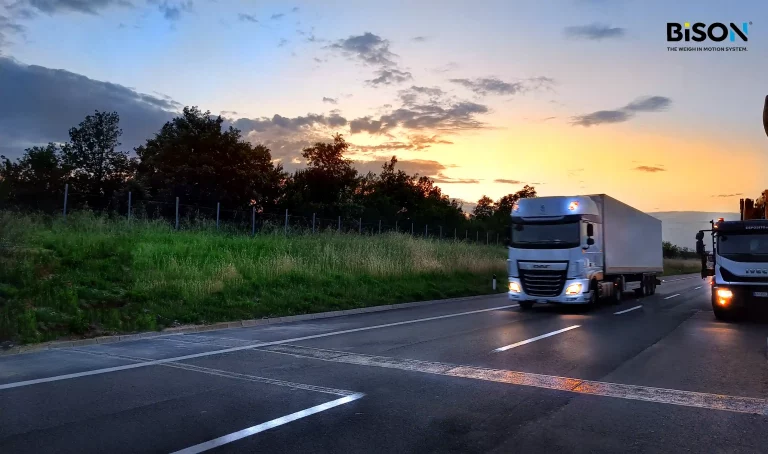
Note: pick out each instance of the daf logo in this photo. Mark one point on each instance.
(757, 271)
(541, 266)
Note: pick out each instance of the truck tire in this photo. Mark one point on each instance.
(618, 288)
(652, 287)
(643, 289)
(526, 305)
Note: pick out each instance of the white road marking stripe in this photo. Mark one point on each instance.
(228, 374)
(239, 435)
(672, 296)
(697, 288)
(627, 310)
(575, 385)
(237, 349)
(534, 339)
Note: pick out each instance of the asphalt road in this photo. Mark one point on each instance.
(469, 376)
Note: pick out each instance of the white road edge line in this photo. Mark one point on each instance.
(237, 349)
(672, 296)
(239, 435)
(534, 339)
(628, 310)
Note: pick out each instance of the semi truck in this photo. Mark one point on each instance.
(739, 272)
(581, 250)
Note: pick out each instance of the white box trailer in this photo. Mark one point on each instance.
(578, 249)
(631, 239)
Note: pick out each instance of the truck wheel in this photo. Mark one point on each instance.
(652, 287)
(642, 290)
(526, 305)
(617, 292)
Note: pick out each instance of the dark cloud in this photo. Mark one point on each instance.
(41, 104)
(228, 113)
(440, 178)
(644, 104)
(173, 11)
(728, 195)
(389, 77)
(415, 143)
(59, 6)
(414, 94)
(9, 28)
(368, 48)
(650, 169)
(289, 124)
(492, 85)
(277, 16)
(601, 117)
(425, 167)
(242, 17)
(594, 32)
(295, 9)
(419, 39)
(505, 181)
(454, 117)
(330, 100)
(648, 104)
(282, 42)
(548, 118)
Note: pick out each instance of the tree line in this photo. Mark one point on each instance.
(195, 158)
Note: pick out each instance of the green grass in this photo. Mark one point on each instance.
(681, 266)
(90, 275)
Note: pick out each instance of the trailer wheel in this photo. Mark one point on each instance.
(652, 286)
(643, 289)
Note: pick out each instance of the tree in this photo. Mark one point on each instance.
(36, 179)
(98, 169)
(194, 159)
(484, 208)
(329, 183)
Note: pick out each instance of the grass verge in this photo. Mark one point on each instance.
(90, 276)
(674, 267)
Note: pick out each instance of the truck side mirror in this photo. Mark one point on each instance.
(699, 247)
(590, 232)
(590, 241)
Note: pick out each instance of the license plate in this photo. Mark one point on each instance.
(541, 301)
(761, 294)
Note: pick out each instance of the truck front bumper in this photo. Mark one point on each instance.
(742, 296)
(567, 296)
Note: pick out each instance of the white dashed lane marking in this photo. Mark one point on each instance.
(534, 339)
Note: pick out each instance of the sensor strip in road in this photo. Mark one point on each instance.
(253, 430)
(534, 339)
(241, 348)
(736, 404)
(628, 310)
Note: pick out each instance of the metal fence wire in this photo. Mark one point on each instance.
(182, 216)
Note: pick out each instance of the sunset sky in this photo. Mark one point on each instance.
(578, 96)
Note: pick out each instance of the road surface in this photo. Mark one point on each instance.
(656, 374)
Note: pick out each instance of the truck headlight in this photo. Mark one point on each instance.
(514, 287)
(724, 296)
(573, 289)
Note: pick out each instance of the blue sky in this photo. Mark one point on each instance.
(260, 59)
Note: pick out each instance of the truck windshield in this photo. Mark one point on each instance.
(540, 235)
(741, 247)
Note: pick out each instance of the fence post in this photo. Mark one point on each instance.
(411, 228)
(454, 234)
(177, 213)
(426, 227)
(66, 193)
(441, 233)
(379, 226)
(396, 229)
(466, 235)
(477, 236)
(218, 210)
(339, 224)
(486, 238)
(286, 221)
(129, 205)
(497, 239)
(360, 226)
(313, 222)
(253, 220)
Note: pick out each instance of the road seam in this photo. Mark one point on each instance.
(710, 401)
(241, 348)
(21, 349)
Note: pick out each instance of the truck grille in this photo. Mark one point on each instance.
(543, 282)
